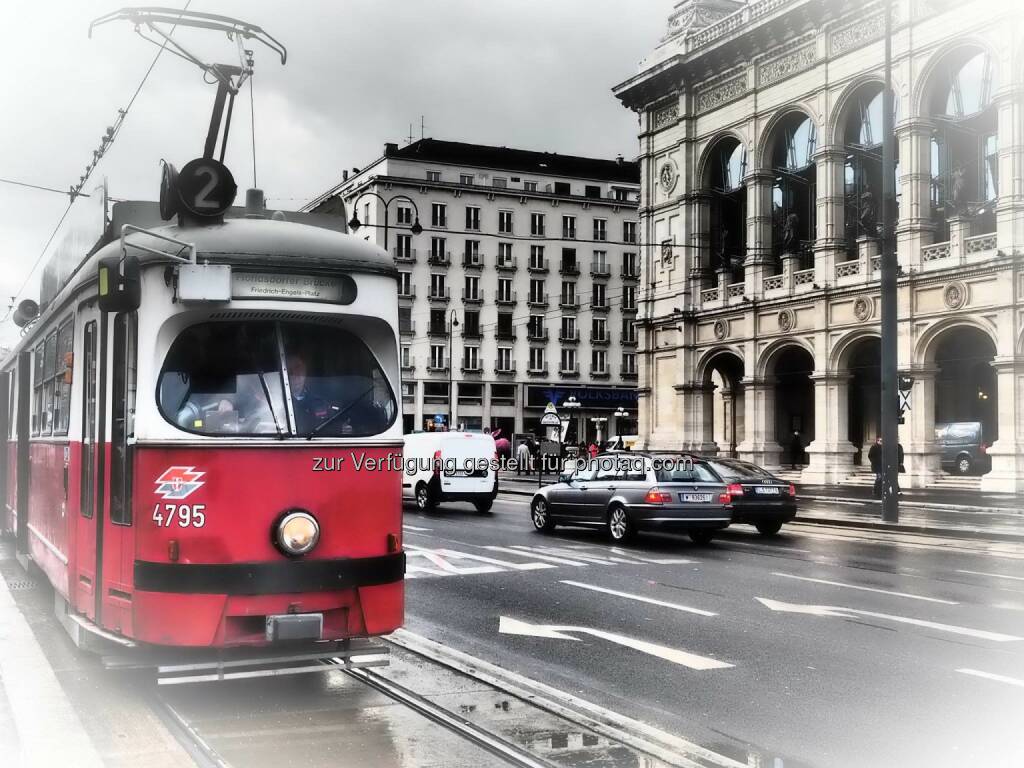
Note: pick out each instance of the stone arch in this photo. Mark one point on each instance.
(707, 153)
(928, 341)
(705, 364)
(761, 157)
(769, 355)
(925, 82)
(837, 117)
(838, 359)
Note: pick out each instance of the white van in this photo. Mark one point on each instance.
(450, 466)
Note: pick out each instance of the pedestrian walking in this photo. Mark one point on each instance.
(875, 458)
(523, 458)
(796, 451)
(592, 450)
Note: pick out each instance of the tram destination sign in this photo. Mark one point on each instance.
(331, 289)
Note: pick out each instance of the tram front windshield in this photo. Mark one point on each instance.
(274, 378)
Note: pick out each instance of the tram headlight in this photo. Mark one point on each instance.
(297, 533)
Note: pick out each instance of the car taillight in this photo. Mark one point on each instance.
(734, 489)
(724, 498)
(792, 490)
(657, 496)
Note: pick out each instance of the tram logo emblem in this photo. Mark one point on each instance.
(178, 483)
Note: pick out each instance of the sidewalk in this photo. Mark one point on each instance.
(998, 517)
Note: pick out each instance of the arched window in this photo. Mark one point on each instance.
(793, 144)
(964, 153)
(862, 142)
(728, 224)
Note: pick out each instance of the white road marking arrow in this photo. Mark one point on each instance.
(849, 613)
(509, 626)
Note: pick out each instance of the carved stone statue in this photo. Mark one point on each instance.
(957, 189)
(789, 233)
(724, 259)
(868, 214)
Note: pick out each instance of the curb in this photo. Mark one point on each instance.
(921, 505)
(873, 526)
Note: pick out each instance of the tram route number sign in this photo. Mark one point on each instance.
(205, 187)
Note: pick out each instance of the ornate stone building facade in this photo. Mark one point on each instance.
(761, 175)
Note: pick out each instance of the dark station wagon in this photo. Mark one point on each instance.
(756, 495)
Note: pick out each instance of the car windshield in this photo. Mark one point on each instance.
(229, 378)
(737, 470)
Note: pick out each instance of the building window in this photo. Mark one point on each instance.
(569, 265)
(598, 361)
(472, 291)
(405, 283)
(621, 195)
(600, 263)
(439, 214)
(504, 359)
(568, 292)
(403, 247)
(599, 329)
(499, 182)
(537, 359)
(629, 231)
(466, 179)
(628, 362)
(404, 214)
(438, 323)
(628, 331)
(562, 188)
(569, 227)
(600, 229)
(433, 175)
(438, 286)
(629, 265)
(537, 257)
(537, 224)
(568, 329)
(471, 358)
(530, 186)
(438, 251)
(472, 217)
(569, 364)
(504, 254)
(437, 356)
(471, 323)
(537, 290)
(504, 289)
(535, 326)
(405, 320)
(599, 296)
(505, 222)
(472, 253)
(504, 327)
(629, 297)
(591, 191)
(406, 356)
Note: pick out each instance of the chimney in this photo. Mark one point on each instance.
(344, 175)
(390, 149)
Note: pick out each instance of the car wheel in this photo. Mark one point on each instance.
(541, 515)
(768, 527)
(620, 527)
(701, 536)
(423, 500)
(963, 465)
(483, 507)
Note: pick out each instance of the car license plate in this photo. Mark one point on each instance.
(695, 497)
(769, 490)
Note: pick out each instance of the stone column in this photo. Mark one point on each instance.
(418, 404)
(726, 429)
(917, 433)
(1007, 453)
(759, 445)
(959, 231)
(758, 261)
(486, 405)
(1010, 205)
(643, 418)
(831, 453)
(697, 421)
(700, 273)
(829, 244)
(914, 228)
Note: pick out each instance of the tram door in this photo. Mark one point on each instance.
(84, 592)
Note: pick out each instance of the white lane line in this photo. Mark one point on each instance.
(640, 598)
(993, 575)
(415, 528)
(494, 561)
(537, 555)
(656, 560)
(993, 676)
(866, 589)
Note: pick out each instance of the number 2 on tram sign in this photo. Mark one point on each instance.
(206, 187)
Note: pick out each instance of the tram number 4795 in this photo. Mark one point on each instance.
(182, 515)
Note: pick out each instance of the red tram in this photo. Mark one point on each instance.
(203, 436)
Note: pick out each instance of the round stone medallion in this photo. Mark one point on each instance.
(668, 176)
(863, 308)
(955, 294)
(721, 329)
(787, 320)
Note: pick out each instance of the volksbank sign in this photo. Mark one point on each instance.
(588, 397)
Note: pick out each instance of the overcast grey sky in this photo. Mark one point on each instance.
(533, 74)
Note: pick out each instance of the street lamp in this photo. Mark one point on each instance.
(355, 223)
(453, 323)
(573, 405)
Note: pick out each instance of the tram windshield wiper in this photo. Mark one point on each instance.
(270, 404)
(335, 416)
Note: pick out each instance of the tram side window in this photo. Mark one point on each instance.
(62, 384)
(43, 383)
(37, 388)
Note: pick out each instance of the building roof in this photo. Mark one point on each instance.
(521, 160)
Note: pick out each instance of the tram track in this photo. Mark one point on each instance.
(201, 752)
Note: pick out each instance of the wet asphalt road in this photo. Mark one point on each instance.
(821, 647)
